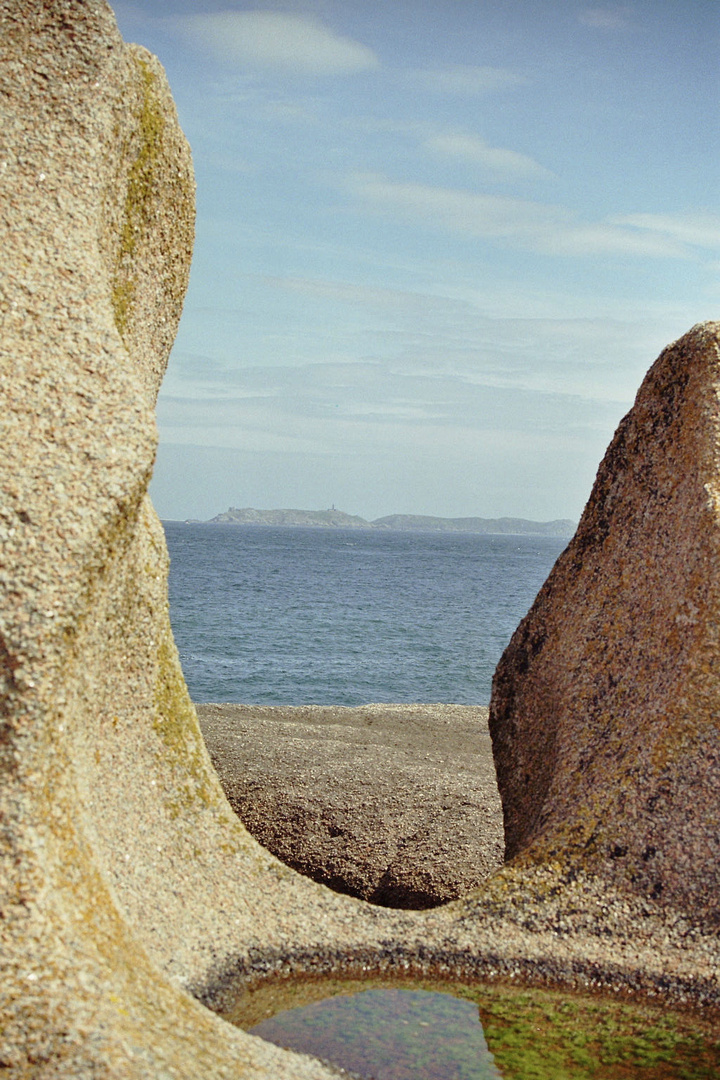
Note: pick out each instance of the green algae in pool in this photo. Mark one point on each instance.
(386, 1031)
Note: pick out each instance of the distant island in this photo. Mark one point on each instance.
(336, 519)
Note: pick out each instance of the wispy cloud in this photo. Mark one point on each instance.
(435, 339)
(535, 226)
(534, 401)
(399, 301)
(493, 159)
(468, 80)
(300, 44)
(333, 403)
(605, 18)
(701, 229)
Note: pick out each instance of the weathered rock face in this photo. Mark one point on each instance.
(111, 813)
(395, 804)
(605, 714)
(126, 881)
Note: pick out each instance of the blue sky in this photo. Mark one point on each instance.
(438, 244)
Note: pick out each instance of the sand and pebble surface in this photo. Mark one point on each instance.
(395, 804)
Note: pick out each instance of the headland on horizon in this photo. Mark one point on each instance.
(338, 519)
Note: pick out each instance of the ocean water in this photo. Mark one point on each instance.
(294, 616)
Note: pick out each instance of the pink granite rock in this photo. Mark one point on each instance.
(605, 712)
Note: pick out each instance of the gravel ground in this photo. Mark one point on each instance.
(395, 804)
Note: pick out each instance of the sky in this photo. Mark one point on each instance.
(439, 243)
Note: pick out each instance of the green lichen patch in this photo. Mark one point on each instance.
(122, 296)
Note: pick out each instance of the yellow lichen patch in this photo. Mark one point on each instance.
(139, 192)
(194, 784)
(122, 295)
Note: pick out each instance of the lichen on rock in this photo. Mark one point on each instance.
(104, 771)
(145, 246)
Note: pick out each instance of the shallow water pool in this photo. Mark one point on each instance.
(444, 1031)
(389, 1034)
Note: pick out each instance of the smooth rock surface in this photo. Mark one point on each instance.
(605, 712)
(135, 909)
(395, 804)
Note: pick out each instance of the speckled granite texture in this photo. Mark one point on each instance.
(131, 897)
(605, 713)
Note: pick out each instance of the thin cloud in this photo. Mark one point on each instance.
(398, 422)
(700, 229)
(423, 360)
(604, 18)
(299, 44)
(493, 159)
(469, 80)
(399, 301)
(535, 226)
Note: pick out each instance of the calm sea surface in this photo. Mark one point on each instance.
(272, 616)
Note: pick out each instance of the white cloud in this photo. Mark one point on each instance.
(534, 226)
(468, 80)
(271, 408)
(295, 43)
(432, 356)
(478, 215)
(605, 238)
(534, 401)
(494, 159)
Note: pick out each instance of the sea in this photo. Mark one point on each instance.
(300, 616)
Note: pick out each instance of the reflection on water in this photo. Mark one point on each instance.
(379, 1030)
(389, 1035)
